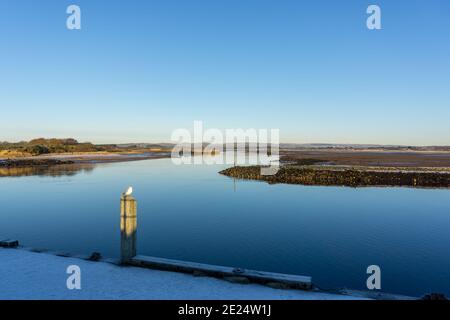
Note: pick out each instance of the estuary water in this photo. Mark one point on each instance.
(193, 213)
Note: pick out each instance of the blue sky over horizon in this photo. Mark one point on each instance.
(137, 70)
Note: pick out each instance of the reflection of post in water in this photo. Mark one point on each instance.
(128, 226)
(234, 178)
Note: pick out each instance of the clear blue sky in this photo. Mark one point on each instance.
(139, 69)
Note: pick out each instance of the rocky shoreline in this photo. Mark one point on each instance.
(16, 163)
(348, 177)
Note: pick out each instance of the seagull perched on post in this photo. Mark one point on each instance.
(128, 192)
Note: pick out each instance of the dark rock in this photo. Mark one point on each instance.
(278, 285)
(197, 273)
(240, 280)
(63, 254)
(9, 243)
(95, 256)
(16, 163)
(238, 270)
(434, 296)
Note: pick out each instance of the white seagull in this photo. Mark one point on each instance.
(128, 192)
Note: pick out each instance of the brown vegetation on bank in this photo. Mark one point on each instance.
(41, 147)
(45, 146)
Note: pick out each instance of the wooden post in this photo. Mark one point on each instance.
(128, 226)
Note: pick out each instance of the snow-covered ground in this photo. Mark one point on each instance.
(30, 275)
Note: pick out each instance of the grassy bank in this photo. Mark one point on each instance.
(41, 146)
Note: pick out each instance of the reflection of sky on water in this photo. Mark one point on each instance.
(193, 213)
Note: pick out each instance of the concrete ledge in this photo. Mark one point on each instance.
(261, 277)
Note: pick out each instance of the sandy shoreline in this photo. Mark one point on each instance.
(94, 157)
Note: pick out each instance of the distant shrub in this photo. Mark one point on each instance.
(53, 145)
(70, 142)
(39, 141)
(54, 142)
(37, 149)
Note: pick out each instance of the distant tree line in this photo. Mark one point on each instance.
(45, 146)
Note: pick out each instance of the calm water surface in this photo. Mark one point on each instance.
(193, 213)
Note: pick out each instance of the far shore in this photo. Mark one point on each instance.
(307, 167)
(81, 157)
(332, 157)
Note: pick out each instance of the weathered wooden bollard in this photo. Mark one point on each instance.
(128, 226)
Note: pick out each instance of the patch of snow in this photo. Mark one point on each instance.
(30, 275)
